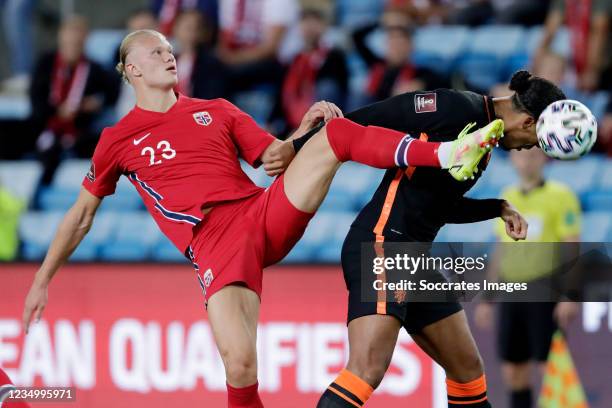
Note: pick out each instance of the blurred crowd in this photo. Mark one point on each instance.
(229, 47)
(289, 53)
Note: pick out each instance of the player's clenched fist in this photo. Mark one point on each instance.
(35, 304)
(277, 157)
(516, 225)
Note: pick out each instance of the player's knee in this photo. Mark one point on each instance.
(240, 364)
(468, 367)
(374, 374)
(241, 370)
(370, 367)
(516, 376)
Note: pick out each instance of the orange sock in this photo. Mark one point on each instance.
(470, 394)
(347, 390)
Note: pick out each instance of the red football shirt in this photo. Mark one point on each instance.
(180, 161)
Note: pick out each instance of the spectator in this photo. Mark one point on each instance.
(393, 74)
(251, 35)
(523, 12)
(604, 139)
(470, 12)
(525, 329)
(356, 13)
(478, 12)
(590, 40)
(167, 11)
(140, 19)
(318, 72)
(200, 73)
(17, 22)
(10, 210)
(552, 67)
(67, 93)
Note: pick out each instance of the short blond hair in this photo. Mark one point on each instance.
(126, 47)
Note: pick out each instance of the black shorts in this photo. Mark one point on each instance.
(414, 315)
(525, 331)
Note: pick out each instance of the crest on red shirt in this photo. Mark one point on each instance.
(208, 277)
(425, 102)
(202, 118)
(91, 174)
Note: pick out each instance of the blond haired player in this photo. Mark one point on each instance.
(182, 155)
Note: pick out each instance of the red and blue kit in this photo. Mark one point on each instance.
(187, 159)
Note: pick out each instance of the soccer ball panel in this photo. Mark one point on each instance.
(566, 130)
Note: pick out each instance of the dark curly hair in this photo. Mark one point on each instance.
(533, 94)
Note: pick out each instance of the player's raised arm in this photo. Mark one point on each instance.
(469, 210)
(72, 230)
(279, 154)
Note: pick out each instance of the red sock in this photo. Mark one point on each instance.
(379, 147)
(245, 397)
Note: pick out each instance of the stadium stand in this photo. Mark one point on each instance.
(21, 178)
(101, 46)
(353, 13)
(36, 230)
(125, 232)
(488, 52)
(440, 47)
(485, 56)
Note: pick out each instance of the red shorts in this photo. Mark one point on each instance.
(236, 240)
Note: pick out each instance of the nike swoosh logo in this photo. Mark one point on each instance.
(137, 141)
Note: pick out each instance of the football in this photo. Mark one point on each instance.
(566, 130)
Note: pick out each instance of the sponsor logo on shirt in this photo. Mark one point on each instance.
(425, 102)
(202, 118)
(208, 277)
(91, 174)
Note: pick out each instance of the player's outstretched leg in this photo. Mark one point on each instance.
(385, 148)
(450, 343)
(233, 312)
(372, 340)
(309, 175)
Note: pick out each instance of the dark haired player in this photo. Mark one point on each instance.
(411, 205)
